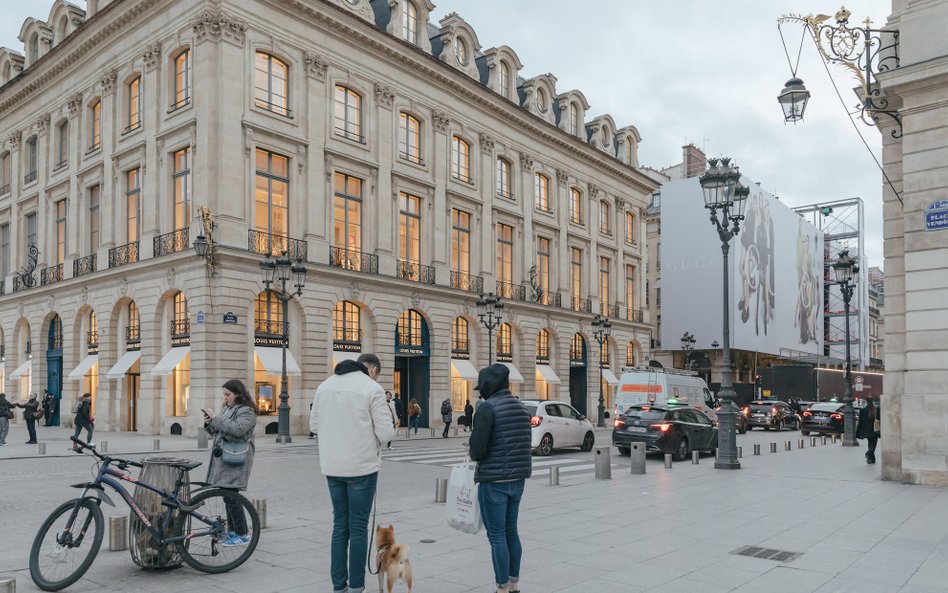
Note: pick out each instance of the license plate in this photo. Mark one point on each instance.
(637, 428)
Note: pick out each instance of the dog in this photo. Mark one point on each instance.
(392, 559)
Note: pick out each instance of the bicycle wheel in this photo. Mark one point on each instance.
(59, 557)
(229, 513)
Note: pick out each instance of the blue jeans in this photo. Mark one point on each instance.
(413, 423)
(500, 506)
(351, 504)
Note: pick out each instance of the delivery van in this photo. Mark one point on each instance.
(641, 386)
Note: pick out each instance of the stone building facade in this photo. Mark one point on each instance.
(406, 167)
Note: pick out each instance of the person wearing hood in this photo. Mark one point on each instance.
(500, 444)
(353, 423)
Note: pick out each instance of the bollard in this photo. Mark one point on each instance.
(441, 490)
(118, 533)
(41, 448)
(554, 475)
(757, 449)
(603, 463)
(455, 431)
(202, 438)
(8, 585)
(695, 457)
(260, 505)
(103, 446)
(668, 460)
(800, 444)
(787, 445)
(824, 439)
(835, 437)
(156, 444)
(740, 452)
(637, 453)
(432, 432)
(773, 447)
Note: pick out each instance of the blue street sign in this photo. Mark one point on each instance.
(936, 216)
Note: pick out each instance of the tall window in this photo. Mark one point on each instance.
(543, 263)
(460, 241)
(504, 80)
(60, 231)
(409, 22)
(30, 231)
(346, 323)
(31, 154)
(272, 189)
(503, 179)
(347, 219)
(182, 79)
(543, 347)
(630, 228)
(348, 113)
(133, 331)
(409, 227)
(5, 164)
(460, 343)
(62, 143)
(409, 139)
(575, 206)
(4, 250)
(95, 126)
(94, 192)
(504, 253)
(604, 226)
(133, 193)
(577, 349)
(504, 343)
(270, 84)
(460, 50)
(573, 119)
(182, 325)
(541, 192)
(182, 188)
(630, 287)
(409, 329)
(576, 272)
(460, 160)
(268, 314)
(604, 354)
(134, 106)
(604, 282)
(630, 355)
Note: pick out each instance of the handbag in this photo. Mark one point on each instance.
(38, 414)
(877, 426)
(463, 511)
(10, 414)
(234, 452)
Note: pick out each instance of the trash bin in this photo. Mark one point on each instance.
(159, 472)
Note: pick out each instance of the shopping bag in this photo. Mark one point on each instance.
(462, 511)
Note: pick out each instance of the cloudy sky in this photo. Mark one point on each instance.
(682, 71)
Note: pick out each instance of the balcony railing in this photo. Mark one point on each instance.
(462, 177)
(51, 275)
(179, 104)
(60, 165)
(607, 310)
(23, 283)
(549, 298)
(131, 127)
(123, 254)
(276, 108)
(268, 327)
(84, 265)
(463, 281)
(504, 194)
(350, 135)
(409, 270)
(581, 305)
(29, 177)
(133, 337)
(346, 338)
(509, 290)
(351, 259)
(94, 147)
(636, 315)
(173, 242)
(270, 244)
(411, 158)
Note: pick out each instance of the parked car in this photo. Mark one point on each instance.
(771, 414)
(557, 425)
(678, 430)
(740, 419)
(823, 418)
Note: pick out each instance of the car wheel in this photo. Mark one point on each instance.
(546, 445)
(624, 451)
(805, 433)
(743, 429)
(588, 441)
(778, 426)
(681, 450)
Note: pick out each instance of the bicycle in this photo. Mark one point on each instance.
(61, 555)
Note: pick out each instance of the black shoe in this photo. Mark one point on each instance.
(30, 442)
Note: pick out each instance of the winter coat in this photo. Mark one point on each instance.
(865, 429)
(468, 414)
(233, 424)
(394, 409)
(353, 421)
(29, 409)
(447, 414)
(500, 442)
(5, 407)
(84, 415)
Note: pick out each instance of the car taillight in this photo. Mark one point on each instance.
(535, 421)
(807, 414)
(746, 411)
(664, 426)
(836, 416)
(618, 423)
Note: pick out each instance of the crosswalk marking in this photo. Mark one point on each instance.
(449, 457)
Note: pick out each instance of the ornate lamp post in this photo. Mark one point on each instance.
(278, 272)
(490, 310)
(603, 329)
(687, 346)
(724, 196)
(845, 269)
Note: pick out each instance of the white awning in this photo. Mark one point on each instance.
(341, 355)
(609, 377)
(80, 371)
(515, 376)
(121, 367)
(464, 368)
(23, 369)
(272, 360)
(170, 360)
(547, 373)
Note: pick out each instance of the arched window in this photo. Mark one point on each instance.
(543, 347)
(181, 324)
(55, 335)
(460, 160)
(348, 114)
(573, 119)
(460, 50)
(409, 22)
(7, 72)
(541, 100)
(504, 80)
(270, 84)
(504, 343)
(577, 350)
(630, 355)
(182, 79)
(34, 48)
(61, 30)
(409, 137)
(606, 136)
(95, 125)
(346, 326)
(604, 354)
(504, 179)
(575, 206)
(460, 343)
(408, 329)
(268, 315)
(541, 192)
(133, 104)
(133, 329)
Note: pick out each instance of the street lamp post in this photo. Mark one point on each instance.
(724, 196)
(489, 311)
(603, 329)
(277, 272)
(845, 269)
(687, 346)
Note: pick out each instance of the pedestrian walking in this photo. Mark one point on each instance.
(83, 419)
(353, 421)
(48, 407)
(394, 410)
(447, 415)
(399, 409)
(468, 416)
(6, 414)
(869, 428)
(414, 415)
(31, 413)
(232, 453)
(500, 444)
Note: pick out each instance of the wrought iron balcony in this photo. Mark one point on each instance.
(29, 177)
(350, 135)
(92, 342)
(61, 164)
(509, 290)
(133, 337)
(636, 315)
(180, 332)
(268, 327)
(548, 297)
(84, 265)
(462, 177)
(270, 244)
(123, 254)
(581, 305)
(4, 189)
(23, 282)
(173, 242)
(409, 270)
(94, 147)
(411, 157)
(607, 310)
(463, 281)
(51, 275)
(179, 104)
(351, 259)
(346, 336)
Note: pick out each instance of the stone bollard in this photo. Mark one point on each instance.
(695, 457)
(757, 449)
(202, 438)
(603, 463)
(788, 445)
(41, 448)
(156, 445)
(773, 447)
(260, 505)
(812, 441)
(441, 490)
(800, 444)
(554, 475)
(740, 452)
(668, 460)
(637, 454)
(432, 432)
(824, 439)
(455, 431)
(118, 533)
(103, 446)
(7, 585)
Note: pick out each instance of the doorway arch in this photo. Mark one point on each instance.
(412, 361)
(577, 374)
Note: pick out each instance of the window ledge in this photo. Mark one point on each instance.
(272, 114)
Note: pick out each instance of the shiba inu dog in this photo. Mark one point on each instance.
(392, 559)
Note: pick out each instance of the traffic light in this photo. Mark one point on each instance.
(826, 210)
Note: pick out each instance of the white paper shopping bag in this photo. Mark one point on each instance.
(462, 511)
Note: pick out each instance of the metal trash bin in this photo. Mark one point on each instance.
(161, 473)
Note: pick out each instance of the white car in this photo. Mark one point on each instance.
(557, 425)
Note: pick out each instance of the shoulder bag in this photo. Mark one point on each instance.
(234, 452)
(38, 414)
(877, 426)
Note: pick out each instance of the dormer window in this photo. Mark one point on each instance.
(504, 80)
(409, 22)
(460, 51)
(605, 136)
(541, 101)
(573, 119)
(34, 48)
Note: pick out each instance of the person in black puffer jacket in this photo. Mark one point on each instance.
(500, 444)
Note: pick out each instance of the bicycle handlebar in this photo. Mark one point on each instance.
(122, 463)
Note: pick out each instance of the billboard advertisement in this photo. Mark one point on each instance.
(775, 274)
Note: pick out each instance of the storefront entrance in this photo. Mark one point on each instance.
(577, 374)
(54, 367)
(412, 363)
(132, 410)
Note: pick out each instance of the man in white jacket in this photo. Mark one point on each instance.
(353, 422)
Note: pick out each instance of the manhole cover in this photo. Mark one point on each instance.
(767, 553)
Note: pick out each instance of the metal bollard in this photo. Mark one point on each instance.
(202, 438)
(812, 441)
(455, 431)
(824, 439)
(8, 585)
(103, 446)
(432, 432)
(41, 448)
(441, 490)
(757, 449)
(637, 453)
(603, 463)
(260, 505)
(118, 533)
(668, 460)
(695, 457)
(800, 444)
(156, 444)
(787, 445)
(773, 447)
(554, 475)
(740, 452)
(835, 437)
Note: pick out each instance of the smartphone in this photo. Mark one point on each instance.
(203, 411)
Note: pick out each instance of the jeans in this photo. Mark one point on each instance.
(236, 519)
(31, 429)
(4, 429)
(79, 428)
(447, 425)
(351, 504)
(871, 453)
(500, 506)
(413, 423)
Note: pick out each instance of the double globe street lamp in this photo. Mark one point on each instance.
(845, 269)
(687, 346)
(490, 310)
(602, 332)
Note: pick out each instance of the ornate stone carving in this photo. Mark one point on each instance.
(74, 105)
(355, 292)
(594, 190)
(384, 94)
(51, 302)
(151, 55)
(123, 287)
(108, 81)
(248, 142)
(41, 126)
(415, 300)
(526, 161)
(170, 276)
(316, 65)
(441, 120)
(487, 142)
(300, 158)
(562, 177)
(14, 140)
(621, 205)
(216, 25)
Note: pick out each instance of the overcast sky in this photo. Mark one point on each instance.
(681, 71)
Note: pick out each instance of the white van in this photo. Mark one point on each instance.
(640, 386)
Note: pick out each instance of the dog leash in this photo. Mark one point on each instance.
(368, 552)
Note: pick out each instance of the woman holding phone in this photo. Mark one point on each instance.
(232, 453)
